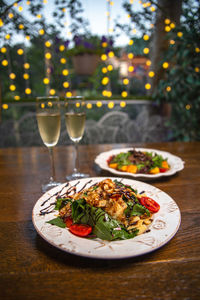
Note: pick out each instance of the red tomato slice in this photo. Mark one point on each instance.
(109, 159)
(162, 170)
(150, 204)
(80, 229)
(68, 222)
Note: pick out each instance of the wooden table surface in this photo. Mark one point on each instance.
(31, 268)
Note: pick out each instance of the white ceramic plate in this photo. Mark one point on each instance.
(175, 162)
(164, 226)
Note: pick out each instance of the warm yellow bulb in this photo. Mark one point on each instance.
(26, 66)
(5, 106)
(172, 25)
(3, 50)
(152, 8)
(111, 54)
(165, 65)
(151, 74)
(146, 37)
(12, 76)
(20, 8)
(109, 94)
(26, 76)
(172, 42)
(21, 26)
(188, 106)
(125, 81)
(68, 94)
(104, 93)
(131, 68)
(103, 57)
(7, 37)
(46, 80)
(167, 28)
(131, 42)
(179, 34)
(99, 104)
(111, 104)
(39, 16)
(148, 63)
(104, 44)
(12, 87)
(105, 80)
(10, 15)
(27, 37)
(146, 50)
(124, 94)
(63, 9)
(110, 67)
(41, 31)
(167, 21)
(48, 44)
(130, 55)
(197, 50)
(28, 2)
(122, 103)
(147, 86)
(65, 72)
(63, 60)
(4, 62)
(168, 88)
(104, 70)
(62, 48)
(89, 105)
(20, 51)
(28, 91)
(196, 70)
(17, 98)
(52, 92)
(66, 84)
(48, 55)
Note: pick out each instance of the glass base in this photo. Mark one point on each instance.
(77, 176)
(50, 185)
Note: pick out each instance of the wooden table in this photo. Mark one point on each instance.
(31, 268)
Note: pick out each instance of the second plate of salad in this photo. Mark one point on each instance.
(140, 162)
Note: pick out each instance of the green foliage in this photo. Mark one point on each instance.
(183, 78)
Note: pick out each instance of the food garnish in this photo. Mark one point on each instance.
(141, 162)
(109, 210)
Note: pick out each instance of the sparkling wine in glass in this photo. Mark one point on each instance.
(48, 119)
(75, 124)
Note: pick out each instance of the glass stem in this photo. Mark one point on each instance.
(75, 158)
(52, 178)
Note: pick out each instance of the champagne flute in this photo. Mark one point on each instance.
(48, 119)
(75, 124)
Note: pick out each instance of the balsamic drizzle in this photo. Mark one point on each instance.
(46, 210)
(57, 193)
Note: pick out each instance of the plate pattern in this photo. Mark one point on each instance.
(164, 226)
(176, 163)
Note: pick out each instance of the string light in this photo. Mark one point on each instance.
(179, 34)
(104, 70)
(167, 28)
(10, 15)
(48, 55)
(130, 55)
(131, 69)
(63, 60)
(62, 48)
(124, 94)
(46, 80)
(197, 50)
(146, 50)
(105, 81)
(26, 66)
(148, 63)
(111, 104)
(66, 84)
(12, 87)
(146, 37)
(147, 86)
(26, 76)
(168, 88)
(125, 81)
(165, 65)
(1, 23)
(196, 70)
(5, 106)
(3, 50)
(131, 42)
(167, 21)
(188, 106)
(122, 104)
(151, 74)
(111, 54)
(109, 67)
(172, 42)
(41, 32)
(7, 37)
(103, 57)
(172, 25)
(4, 63)
(52, 92)
(99, 104)
(20, 51)
(68, 94)
(28, 91)
(65, 72)
(12, 76)
(48, 44)
(17, 98)
(89, 105)
(21, 26)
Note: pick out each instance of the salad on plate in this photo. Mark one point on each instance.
(138, 162)
(109, 210)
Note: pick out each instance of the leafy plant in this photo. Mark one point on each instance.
(181, 85)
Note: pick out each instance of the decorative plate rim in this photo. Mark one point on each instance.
(163, 228)
(177, 164)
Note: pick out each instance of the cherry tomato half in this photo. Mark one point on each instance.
(150, 204)
(68, 222)
(109, 159)
(80, 229)
(162, 170)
